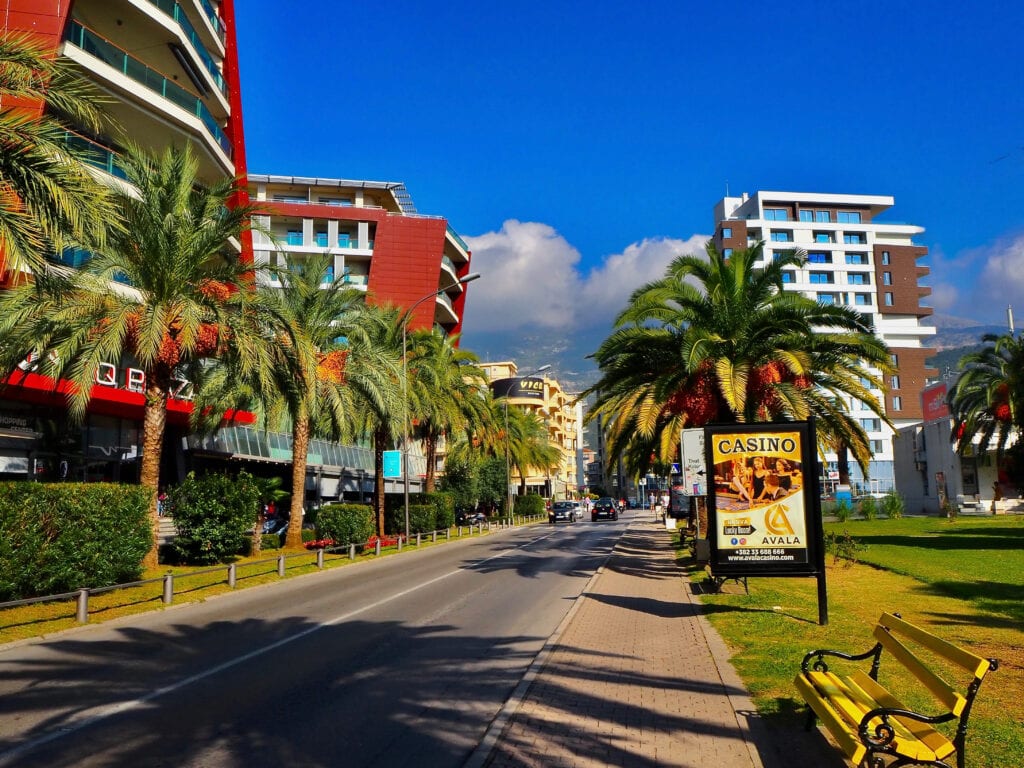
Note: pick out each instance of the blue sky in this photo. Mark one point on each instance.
(579, 147)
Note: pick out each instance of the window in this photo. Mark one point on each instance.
(776, 214)
(895, 359)
(726, 232)
(806, 215)
(887, 278)
(894, 382)
(819, 258)
(824, 237)
(290, 199)
(826, 298)
(788, 276)
(822, 216)
(888, 300)
(876, 446)
(822, 277)
(885, 258)
(858, 278)
(856, 258)
(862, 299)
(782, 236)
(727, 252)
(335, 200)
(848, 217)
(871, 425)
(294, 237)
(854, 238)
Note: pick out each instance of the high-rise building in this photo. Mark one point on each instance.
(855, 259)
(375, 237)
(167, 73)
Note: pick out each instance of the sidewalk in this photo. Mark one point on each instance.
(636, 677)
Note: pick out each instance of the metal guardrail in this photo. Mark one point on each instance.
(170, 580)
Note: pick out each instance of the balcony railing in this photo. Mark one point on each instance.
(173, 9)
(215, 20)
(95, 154)
(130, 67)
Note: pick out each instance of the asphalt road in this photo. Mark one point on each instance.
(399, 662)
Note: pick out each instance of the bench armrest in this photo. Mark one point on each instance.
(819, 659)
(884, 733)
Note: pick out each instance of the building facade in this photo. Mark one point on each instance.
(560, 413)
(377, 241)
(168, 74)
(855, 259)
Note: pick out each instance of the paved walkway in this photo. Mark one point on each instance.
(636, 677)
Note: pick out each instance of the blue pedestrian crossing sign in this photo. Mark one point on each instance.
(675, 469)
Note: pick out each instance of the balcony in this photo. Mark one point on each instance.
(95, 154)
(88, 41)
(176, 12)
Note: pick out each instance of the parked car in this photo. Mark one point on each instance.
(470, 518)
(605, 508)
(562, 511)
(577, 509)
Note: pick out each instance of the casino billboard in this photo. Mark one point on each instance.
(526, 388)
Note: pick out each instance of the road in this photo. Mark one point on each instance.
(398, 662)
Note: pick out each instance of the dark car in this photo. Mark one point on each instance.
(562, 511)
(605, 508)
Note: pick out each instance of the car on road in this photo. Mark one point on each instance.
(562, 511)
(605, 508)
(577, 510)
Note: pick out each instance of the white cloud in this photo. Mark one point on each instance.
(1001, 282)
(532, 278)
(978, 283)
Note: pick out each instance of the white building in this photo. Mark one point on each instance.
(856, 260)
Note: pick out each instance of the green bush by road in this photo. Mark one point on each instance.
(962, 580)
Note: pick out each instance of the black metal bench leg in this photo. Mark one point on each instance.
(812, 720)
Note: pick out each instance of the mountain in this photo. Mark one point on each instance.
(956, 332)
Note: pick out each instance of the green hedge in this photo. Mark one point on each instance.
(530, 504)
(345, 523)
(215, 515)
(427, 512)
(58, 537)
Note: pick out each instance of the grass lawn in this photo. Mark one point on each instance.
(962, 580)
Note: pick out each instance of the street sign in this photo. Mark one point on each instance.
(695, 472)
(642, 481)
(392, 464)
(675, 469)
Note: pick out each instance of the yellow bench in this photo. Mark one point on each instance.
(872, 727)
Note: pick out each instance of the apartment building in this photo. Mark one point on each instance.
(377, 241)
(857, 259)
(559, 411)
(168, 74)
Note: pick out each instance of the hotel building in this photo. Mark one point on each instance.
(559, 412)
(855, 259)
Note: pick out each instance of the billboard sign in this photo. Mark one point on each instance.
(763, 511)
(695, 474)
(392, 464)
(526, 388)
(933, 402)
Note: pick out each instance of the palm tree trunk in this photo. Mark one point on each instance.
(430, 449)
(300, 446)
(154, 420)
(380, 437)
(843, 463)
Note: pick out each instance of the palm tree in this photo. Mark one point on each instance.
(987, 400)
(719, 340)
(48, 198)
(447, 393)
(167, 292)
(528, 445)
(325, 366)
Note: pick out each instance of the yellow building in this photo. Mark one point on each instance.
(544, 396)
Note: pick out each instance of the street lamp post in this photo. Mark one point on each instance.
(405, 388)
(508, 464)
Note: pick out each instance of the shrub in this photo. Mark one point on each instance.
(422, 513)
(893, 505)
(214, 515)
(840, 510)
(270, 541)
(345, 523)
(869, 508)
(58, 537)
(530, 504)
(843, 547)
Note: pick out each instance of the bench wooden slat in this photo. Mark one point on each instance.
(832, 720)
(923, 732)
(973, 663)
(942, 690)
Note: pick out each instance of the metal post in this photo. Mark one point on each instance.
(376, 549)
(433, 537)
(320, 559)
(168, 588)
(448, 535)
(232, 576)
(352, 551)
(280, 566)
(400, 539)
(82, 614)
(418, 539)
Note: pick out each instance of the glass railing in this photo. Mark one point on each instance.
(294, 238)
(72, 257)
(444, 299)
(321, 239)
(173, 9)
(128, 65)
(95, 154)
(457, 239)
(215, 20)
(450, 264)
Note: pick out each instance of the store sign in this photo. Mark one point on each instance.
(763, 501)
(110, 375)
(529, 388)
